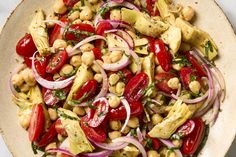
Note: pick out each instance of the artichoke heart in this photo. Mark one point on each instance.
(38, 31)
(148, 66)
(179, 113)
(78, 142)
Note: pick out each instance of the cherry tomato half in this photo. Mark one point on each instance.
(87, 91)
(57, 31)
(97, 134)
(96, 116)
(77, 32)
(163, 56)
(56, 62)
(97, 53)
(162, 80)
(193, 140)
(155, 142)
(25, 46)
(125, 75)
(59, 128)
(102, 27)
(41, 64)
(70, 3)
(186, 129)
(36, 122)
(48, 137)
(188, 74)
(134, 90)
(196, 65)
(136, 109)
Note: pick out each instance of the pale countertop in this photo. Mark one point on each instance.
(5, 10)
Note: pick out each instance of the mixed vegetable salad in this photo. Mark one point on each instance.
(117, 78)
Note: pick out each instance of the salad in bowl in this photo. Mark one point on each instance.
(117, 78)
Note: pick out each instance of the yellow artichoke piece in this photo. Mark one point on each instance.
(172, 37)
(163, 7)
(198, 38)
(128, 151)
(78, 143)
(178, 114)
(83, 75)
(143, 23)
(38, 31)
(148, 66)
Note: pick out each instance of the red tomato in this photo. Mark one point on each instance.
(102, 27)
(135, 87)
(97, 53)
(97, 116)
(25, 46)
(87, 91)
(97, 134)
(163, 56)
(186, 129)
(70, 3)
(193, 140)
(196, 65)
(48, 137)
(136, 109)
(41, 64)
(56, 62)
(125, 75)
(151, 46)
(155, 143)
(162, 80)
(149, 7)
(28, 61)
(77, 32)
(36, 122)
(187, 74)
(59, 128)
(57, 31)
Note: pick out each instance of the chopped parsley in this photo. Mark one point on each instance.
(61, 94)
(193, 78)
(182, 60)
(208, 48)
(122, 76)
(133, 132)
(147, 92)
(66, 116)
(103, 11)
(149, 143)
(34, 148)
(77, 102)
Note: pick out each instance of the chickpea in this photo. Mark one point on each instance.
(88, 22)
(120, 88)
(178, 143)
(106, 59)
(59, 43)
(112, 89)
(88, 58)
(126, 130)
(114, 134)
(156, 118)
(98, 78)
(163, 151)
(77, 21)
(116, 56)
(115, 125)
(187, 13)
(56, 76)
(86, 14)
(170, 153)
(17, 80)
(76, 60)
(133, 122)
(115, 14)
(86, 47)
(66, 70)
(28, 77)
(95, 68)
(153, 153)
(51, 16)
(51, 146)
(114, 101)
(195, 86)
(52, 114)
(159, 69)
(113, 79)
(93, 1)
(79, 111)
(173, 83)
(24, 88)
(73, 16)
(59, 7)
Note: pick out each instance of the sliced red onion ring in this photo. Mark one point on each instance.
(118, 1)
(139, 134)
(86, 40)
(122, 63)
(170, 145)
(104, 153)
(50, 84)
(60, 150)
(132, 141)
(136, 59)
(15, 71)
(191, 101)
(56, 22)
(117, 23)
(128, 112)
(215, 112)
(155, 101)
(104, 88)
(111, 4)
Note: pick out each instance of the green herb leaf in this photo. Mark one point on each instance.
(182, 60)
(208, 48)
(60, 94)
(149, 143)
(66, 116)
(34, 148)
(133, 132)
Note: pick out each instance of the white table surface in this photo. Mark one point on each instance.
(6, 7)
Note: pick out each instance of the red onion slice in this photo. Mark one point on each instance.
(122, 63)
(104, 153)
(136, 59)
(139, 134)
(118, 1)
(50, 84)
(56, 22)
(170, 145)
(132, 141)
(215, 112)
(60, 150)
(86, 40)
(117, 23)
(128, 112)
(104, 88)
